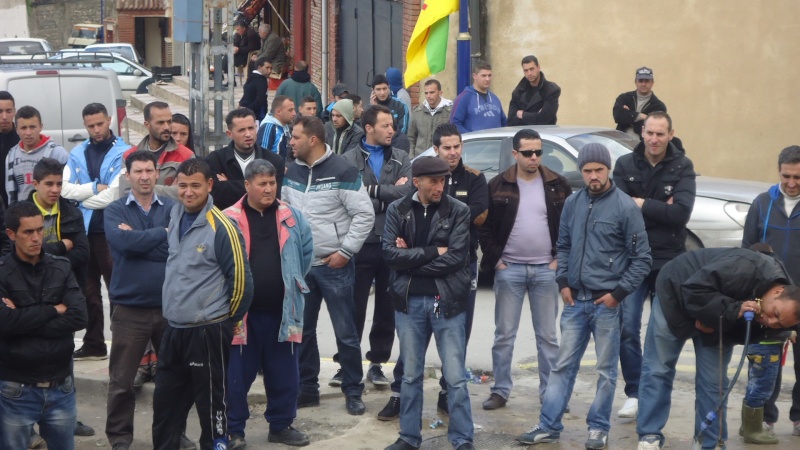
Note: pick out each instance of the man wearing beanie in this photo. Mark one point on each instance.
(426, 246)
(342, 133)
(385, 172)
(603, 255)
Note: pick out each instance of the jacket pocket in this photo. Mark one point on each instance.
(67, 386)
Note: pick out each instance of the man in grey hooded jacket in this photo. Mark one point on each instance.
(342, 133)
(427, 116)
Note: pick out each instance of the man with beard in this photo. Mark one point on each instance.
(535, 100)
(342, 133)
(228, 164)
(92, 167)
(603, 256)
(631, 108)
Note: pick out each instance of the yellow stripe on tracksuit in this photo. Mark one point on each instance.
(238, 259)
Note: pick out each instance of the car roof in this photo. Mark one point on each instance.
(22, 40)
(563, 132)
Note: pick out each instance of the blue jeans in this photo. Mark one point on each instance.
(661, 352)
(414, 330)
(578, 324)
(630, 340)
(336, 287)
(510, 286)
(54, 409)
(765, 363)
(278, 362)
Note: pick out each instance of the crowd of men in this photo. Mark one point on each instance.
(217, 267)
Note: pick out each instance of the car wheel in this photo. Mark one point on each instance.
(693, 242)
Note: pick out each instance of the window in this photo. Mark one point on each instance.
(483, 155)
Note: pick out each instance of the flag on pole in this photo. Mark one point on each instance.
(428, 45)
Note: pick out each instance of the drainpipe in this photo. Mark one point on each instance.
(298, 30)
(324, 49)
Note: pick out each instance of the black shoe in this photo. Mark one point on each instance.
(441, 405)
(391, 410)
(400, 444)
(236, 442)
(82, 354)
(466, 446)
(186, 443)
(305, 400)
(376, 377)
(289, 436)
(336, 381)
(83, 430)
(121, 446)
(141, 378)
(355, 407)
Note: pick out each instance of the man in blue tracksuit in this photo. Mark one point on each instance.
(476, 108)
(207, 290)
(136, 230)
(603, 255)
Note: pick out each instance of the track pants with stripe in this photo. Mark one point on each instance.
(191, 369)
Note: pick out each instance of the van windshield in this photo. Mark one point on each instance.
(84, 33)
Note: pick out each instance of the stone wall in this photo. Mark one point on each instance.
(13, 19)
(53, 19)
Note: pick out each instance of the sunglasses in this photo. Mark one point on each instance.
(530, 153)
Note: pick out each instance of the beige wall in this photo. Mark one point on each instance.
(728, 71)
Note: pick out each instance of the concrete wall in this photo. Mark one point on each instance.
(13, 19)
(727, 70)
(53, 19)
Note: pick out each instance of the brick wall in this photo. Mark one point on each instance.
(125, 30)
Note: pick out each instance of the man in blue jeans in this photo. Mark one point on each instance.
(426, 246)
(42, 306)
(327, 190)
(518, 240)
(661, 180)
(696, 294)
(603, 255)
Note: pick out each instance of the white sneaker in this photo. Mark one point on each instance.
(650, 442)
(629, 409)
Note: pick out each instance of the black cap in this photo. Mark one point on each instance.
(429, 166)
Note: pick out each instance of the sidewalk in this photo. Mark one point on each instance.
(330, 427)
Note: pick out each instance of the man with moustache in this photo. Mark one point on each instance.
(228, 164)
(92, 167)
(535, 99)
(603, 256)
(426, 246)
(631, 108)
(328, 192)
(8, 132)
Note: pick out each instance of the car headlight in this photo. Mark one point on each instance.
(737, 212)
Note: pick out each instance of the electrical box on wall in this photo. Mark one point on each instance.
(188, 24)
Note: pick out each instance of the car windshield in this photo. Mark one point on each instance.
(617, 142)
(20, 48)
(84, 33)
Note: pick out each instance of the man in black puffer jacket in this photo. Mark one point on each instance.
(661, 180)
(42, 306)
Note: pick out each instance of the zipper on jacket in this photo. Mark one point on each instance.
(583, 251)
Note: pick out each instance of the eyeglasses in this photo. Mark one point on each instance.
(530, 153)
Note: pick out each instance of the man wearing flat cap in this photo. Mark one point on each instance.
(603, 255)
(631, 108)
(426, 246)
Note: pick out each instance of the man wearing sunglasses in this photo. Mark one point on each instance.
(518, 239)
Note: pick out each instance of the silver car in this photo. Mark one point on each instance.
(720, 208)
(131, 74)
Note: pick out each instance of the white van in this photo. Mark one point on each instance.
(60, 95)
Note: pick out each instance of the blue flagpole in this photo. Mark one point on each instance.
(463, 66)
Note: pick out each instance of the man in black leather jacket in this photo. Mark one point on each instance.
(426, 246)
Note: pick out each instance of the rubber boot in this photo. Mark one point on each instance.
(753, 427)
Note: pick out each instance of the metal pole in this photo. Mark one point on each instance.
(102, 19)
(463, 66)
(324, 68)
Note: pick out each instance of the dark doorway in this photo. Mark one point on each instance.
(371, 37)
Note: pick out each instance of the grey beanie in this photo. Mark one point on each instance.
(345, 108)
(594, 152)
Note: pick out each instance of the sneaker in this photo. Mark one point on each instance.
(495, 401)
(83, 430)
(35, 440)
(768, 427)
(236, 442)
(82, 354)
(650, 442)
(336, 381)
(391, 410)
(376, 377)
(289, 436)
(537, 435)
(441, 404)
(355, 406)
(630, 409)
(796, 429)
(305, 399)
(186, 443)
(597, 440)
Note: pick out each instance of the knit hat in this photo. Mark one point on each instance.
(594, 152)
(345, 108)
(429, 166)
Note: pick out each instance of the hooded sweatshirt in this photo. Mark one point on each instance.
(395, 78)
(343, 139)
(473, 111)
(19, 166)
(300, 86)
